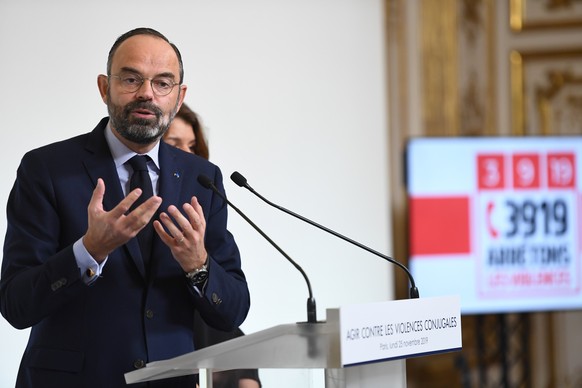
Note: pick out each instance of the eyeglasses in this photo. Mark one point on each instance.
(130, 83)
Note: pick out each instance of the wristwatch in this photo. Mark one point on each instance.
(198, 276)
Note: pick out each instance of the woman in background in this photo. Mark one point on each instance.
(185, 133)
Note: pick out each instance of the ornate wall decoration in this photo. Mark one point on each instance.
(546, 92)
(560, 103)
(439, 50)
(526, 14)
(458, 68)
(478, 113)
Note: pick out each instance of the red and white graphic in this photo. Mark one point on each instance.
(491, 171)
(493, 232)
(528, 246)
(526, 171)
(499, 216)
(561, 171)
(429, 220)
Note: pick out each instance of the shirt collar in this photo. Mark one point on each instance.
(122, 154)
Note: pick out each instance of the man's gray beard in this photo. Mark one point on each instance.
(139, 131)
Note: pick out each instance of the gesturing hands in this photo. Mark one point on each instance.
(186, 235)
(109, 230)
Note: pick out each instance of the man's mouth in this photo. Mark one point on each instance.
(143, 113)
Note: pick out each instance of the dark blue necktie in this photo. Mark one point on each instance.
(141, 178)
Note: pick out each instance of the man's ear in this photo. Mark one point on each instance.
(103, 85)
(181, 95)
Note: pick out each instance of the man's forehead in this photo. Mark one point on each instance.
(145, 50)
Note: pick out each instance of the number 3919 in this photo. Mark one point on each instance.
(526, 217)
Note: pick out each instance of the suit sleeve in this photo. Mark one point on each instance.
(38, 275)
(226, 299)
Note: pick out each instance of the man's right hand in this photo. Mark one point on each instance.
(109, 230)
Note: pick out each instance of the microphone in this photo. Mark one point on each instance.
(241, 181)
(207, 183)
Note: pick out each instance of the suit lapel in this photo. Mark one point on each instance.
(171, 176)
(169, 188)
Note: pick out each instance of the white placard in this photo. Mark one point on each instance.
(397, 329)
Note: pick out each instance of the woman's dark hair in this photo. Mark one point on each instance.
(200, 147)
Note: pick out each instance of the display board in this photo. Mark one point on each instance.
(497, 221)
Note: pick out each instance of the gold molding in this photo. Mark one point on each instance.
(477, 68)
(440, 96)
(521, 89)
(516, 11)
(518, 20)
(517, 94)
(491, 125)
(557, 82)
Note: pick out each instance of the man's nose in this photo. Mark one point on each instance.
(145, 91)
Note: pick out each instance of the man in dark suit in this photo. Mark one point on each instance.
(73, 268)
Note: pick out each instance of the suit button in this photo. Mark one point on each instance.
(216, 299)
(138, 364)
(58, 284)
(149, 314)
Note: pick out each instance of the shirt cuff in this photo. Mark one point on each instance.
(90, 269)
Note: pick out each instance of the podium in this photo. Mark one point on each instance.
(358, 346)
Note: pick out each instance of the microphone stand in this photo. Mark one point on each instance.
(241, 181)
(311, 307)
